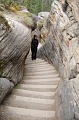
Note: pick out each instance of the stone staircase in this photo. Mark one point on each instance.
(34, 98)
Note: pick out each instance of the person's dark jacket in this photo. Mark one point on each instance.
(34, 44)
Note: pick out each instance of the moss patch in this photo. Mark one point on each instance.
(40, 23)
(12, 6)
(4, 21)
(14, 89)
(25, 18)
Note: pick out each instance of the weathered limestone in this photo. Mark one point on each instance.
(15, 39)
(68, 100)
(61, 48)
(61, 31)
(5, 87)
(43, 15)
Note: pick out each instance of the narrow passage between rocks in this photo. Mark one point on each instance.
(34, 98)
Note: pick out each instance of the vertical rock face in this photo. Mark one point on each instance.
(15, 41)
(61, 48)
(67, 100)
(61, 31)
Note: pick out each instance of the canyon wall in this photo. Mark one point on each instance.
(15, 40)
(61, 31)
(61, 48)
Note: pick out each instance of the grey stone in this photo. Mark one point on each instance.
(42, 15)
(4, 87)
(15, 41)
(67, 100)
(61, 38)
(61, 48)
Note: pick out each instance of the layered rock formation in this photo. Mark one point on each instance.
(62, 33)
(15, 39)
(61, 48)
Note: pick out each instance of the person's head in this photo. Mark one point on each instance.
(35, 36)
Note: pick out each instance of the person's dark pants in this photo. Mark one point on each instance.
(34, 52)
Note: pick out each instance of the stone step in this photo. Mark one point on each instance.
(36, 62)
(29, 62)
(34, 94)
(43, 80)
(40, 72)
(14, 113)
(41, 76)
(30, 103)
(31, 82)
(29, 58)
(41, 88)
(39, 67)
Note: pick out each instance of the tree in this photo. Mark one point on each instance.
(34, 6)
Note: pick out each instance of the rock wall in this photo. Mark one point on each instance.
(61, 48)
(61, 31)
(67, 100)
(15, 39)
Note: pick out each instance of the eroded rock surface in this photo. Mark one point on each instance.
(61, 31)
(68, 100)
(42, 15)
(61, 48)
(15, 39)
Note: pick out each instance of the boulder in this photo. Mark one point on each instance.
(67, 100)
(42, 15)
(15, 40)
(5, 87)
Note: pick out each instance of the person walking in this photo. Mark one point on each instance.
(34, 45)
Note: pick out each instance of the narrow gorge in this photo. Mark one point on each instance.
(60, 33)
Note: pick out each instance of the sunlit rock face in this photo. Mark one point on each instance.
(61, 32)
(61, 48)
(43, 15)
(15, 39)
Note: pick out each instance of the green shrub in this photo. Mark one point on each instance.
(12, 6)
(4, 21)
(40, 23)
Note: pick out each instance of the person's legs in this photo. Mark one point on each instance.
(32, 56)
(35, 54)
